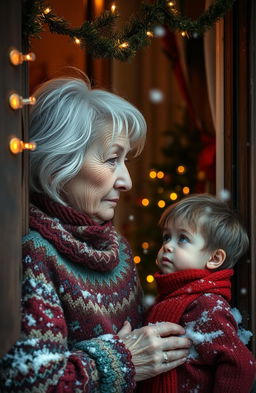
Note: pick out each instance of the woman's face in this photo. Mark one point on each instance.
(96, 189)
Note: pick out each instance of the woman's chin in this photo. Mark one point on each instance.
(101, 218)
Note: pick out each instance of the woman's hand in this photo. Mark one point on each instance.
(156, 348)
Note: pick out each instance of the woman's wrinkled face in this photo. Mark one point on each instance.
(96, 189)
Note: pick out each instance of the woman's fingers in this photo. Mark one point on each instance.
(126, 329)
(171, 365)
(165, 329)
(173, 356)
(156, 348)
(169, 343)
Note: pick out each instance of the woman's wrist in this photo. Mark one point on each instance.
(113, 361)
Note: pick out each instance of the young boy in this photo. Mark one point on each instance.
(202, 240)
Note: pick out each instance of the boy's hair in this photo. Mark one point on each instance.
(216, 222)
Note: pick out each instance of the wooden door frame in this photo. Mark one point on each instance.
(239, 143)
(252, 59)
(10, 178)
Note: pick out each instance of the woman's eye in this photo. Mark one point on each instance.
(112, 160)
(183, 239)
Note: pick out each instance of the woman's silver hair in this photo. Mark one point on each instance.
(66, 119)
(219, 225)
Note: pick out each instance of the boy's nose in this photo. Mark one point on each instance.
(168, 247)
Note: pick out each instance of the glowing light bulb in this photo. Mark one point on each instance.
(150, 34)
(160, 174)
(152, 174)
(113, 8)
(145, 245)
(181, 169)
(124, 45)
(77, 41)
(201, 175)
(171, 3)
(186, 190)
(16, 146)
(173, 196)
(183, 34)
(161, 204)
(137, 259)
(29, 57)
(145, 202)
(47, 10)
(150, 278)
(15, 101)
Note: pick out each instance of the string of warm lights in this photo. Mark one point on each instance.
(101, 40)
(173, 196)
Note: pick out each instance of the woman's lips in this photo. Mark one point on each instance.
(112, 200)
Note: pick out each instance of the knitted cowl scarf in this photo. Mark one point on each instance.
(75, 235)
(180, 289)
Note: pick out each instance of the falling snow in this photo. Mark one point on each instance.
(159, 31)
(156, 95)
(224, 195)
(148, 300)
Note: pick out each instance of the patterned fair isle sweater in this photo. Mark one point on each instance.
(79, 286)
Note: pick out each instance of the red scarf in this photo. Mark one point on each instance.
(176, 291)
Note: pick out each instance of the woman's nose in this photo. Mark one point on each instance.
(123, 181)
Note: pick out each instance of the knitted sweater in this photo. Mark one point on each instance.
(218, 361)
(79, 286)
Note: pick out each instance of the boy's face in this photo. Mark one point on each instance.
(182, 249)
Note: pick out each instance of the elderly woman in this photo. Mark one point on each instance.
(81, 301)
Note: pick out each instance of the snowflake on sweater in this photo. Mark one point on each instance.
(197, 336)
(242, 333)
(196, 333)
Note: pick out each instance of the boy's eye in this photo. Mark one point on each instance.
(166, 238)
(183, 239)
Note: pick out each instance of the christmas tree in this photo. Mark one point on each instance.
(167, 183)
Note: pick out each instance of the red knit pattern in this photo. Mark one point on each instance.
(181, 301)
(75, 235)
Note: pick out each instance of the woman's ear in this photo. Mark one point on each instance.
(216, 259)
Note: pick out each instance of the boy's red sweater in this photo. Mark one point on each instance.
(218, 362)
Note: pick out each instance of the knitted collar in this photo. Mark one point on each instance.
(194, 281)
(74, 234)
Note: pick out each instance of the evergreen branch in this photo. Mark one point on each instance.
(98, 36)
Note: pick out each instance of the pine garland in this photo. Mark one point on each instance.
(102, 40)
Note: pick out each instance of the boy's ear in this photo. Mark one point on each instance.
(216, 259)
